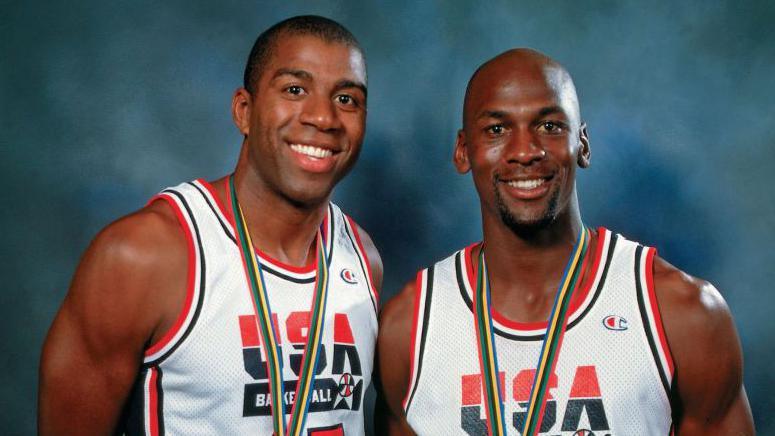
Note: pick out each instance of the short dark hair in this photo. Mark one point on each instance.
(313, 25)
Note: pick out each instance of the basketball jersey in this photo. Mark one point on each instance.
(208, 374)
(614, 371)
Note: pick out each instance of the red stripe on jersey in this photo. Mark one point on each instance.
(417, 294)
(363, 255)
(308, 268)
(153, 403)
(655, 310)
(324, 231)
(190, 279)
(343, 334)
(218, 203)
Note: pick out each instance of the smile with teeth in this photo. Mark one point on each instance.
(311, 151)
(526, 184)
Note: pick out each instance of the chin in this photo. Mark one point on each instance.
(527, 225)
(306, 197)
(523, 222)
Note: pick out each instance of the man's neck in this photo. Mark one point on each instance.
(525, 269)
(284, 231)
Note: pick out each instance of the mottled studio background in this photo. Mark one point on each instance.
(104, 103)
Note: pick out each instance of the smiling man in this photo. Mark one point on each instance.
(547, 326)
(242, 306)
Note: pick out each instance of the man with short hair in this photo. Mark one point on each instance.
(546, 326)
(242, 306)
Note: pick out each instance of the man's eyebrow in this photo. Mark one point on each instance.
(299, 74)
(346, 83)
(549, 110)
(492, 114)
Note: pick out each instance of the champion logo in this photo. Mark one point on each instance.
(584, 433)
(348, 276)
(615, 322)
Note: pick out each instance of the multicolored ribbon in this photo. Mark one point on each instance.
(269, 335)
(550, 350)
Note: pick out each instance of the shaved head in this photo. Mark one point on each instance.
(522, 139)
(520, 68)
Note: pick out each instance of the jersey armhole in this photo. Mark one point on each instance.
(173, 335)
(655, 328)
(415, 352)
(361, 252)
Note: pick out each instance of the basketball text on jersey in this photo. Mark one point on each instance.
(342, 390)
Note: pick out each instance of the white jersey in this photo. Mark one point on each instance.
(208, 376)
(614, 372)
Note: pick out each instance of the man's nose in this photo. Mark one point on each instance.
(524, 147)
(320, 112)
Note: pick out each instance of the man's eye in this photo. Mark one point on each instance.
(295, 90)
(551, 127)
(495, 129)
(345, 99)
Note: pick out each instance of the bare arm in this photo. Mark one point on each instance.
(709, 394)
(393, 365)
(124, 296)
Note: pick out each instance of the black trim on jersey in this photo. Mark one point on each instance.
(364, 270)
(266, 266)
(224, 226)
(274, 272)
(159, 402)
(226, 229)
(425, 318)
(330, 240)
(132, 420)
(202, 280)
(647, 324)
(598, 291)
(462, 287)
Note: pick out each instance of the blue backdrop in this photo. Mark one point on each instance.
(104, 103)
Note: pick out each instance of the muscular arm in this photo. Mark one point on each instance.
(393, 366)
(124, 296)
(709, 394)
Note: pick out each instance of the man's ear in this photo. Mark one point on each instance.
(240, 110)
(585, 154)
(460, 156)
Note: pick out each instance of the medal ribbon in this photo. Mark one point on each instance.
(550, 349)
(269, 335)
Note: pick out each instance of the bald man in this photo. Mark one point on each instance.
(547, 326)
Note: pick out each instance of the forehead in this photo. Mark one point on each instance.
(520, 89)
(324, 60)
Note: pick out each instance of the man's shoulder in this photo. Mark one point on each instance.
(134, 252)
(146, 232)
(697, 299)
(697, 322)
